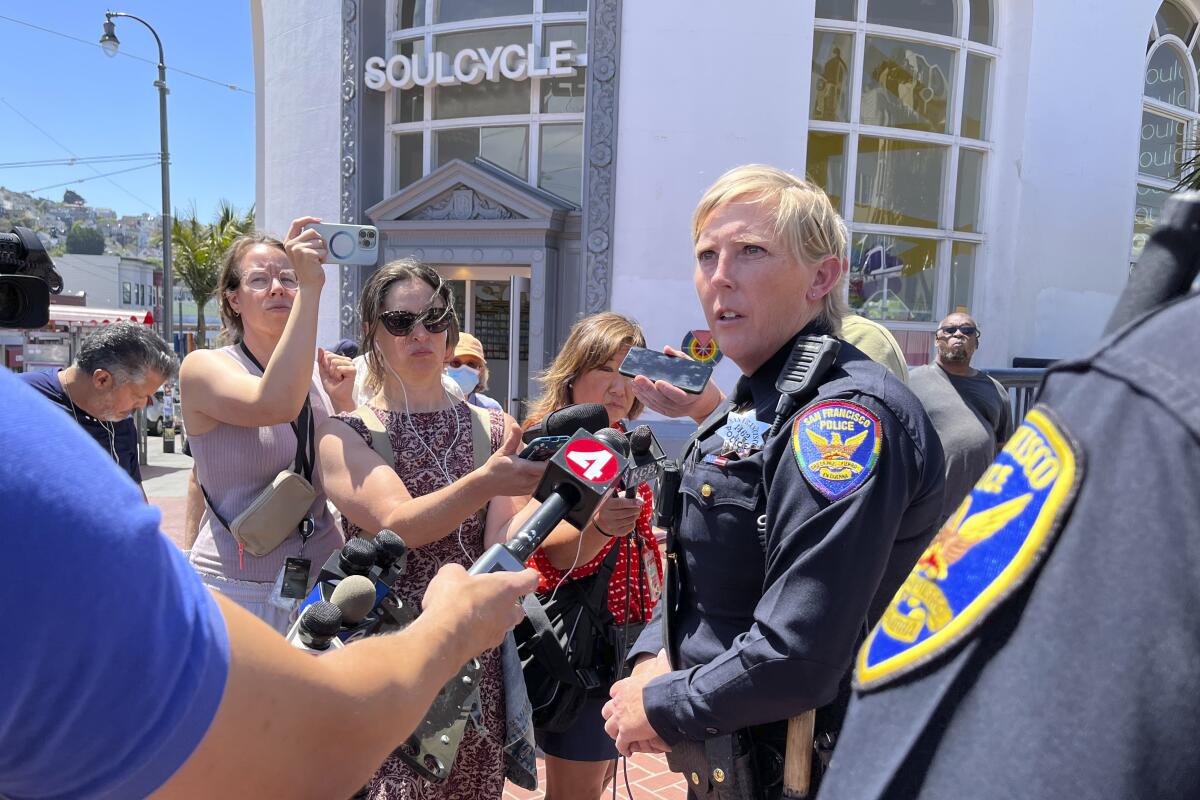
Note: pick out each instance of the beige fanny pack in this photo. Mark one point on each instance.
(282, 507)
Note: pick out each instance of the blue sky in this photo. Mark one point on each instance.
(94, 105)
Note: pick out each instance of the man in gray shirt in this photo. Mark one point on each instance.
(969, 410)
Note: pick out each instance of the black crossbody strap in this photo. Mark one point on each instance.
(302, 426)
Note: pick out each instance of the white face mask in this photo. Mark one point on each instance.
(466, 377)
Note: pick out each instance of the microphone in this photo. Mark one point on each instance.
(578, 478)
(646, 457)
(565, 421)
(391, 556)
(355, 597)
(316, 630)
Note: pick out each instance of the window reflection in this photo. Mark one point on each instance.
(486, 98)
(891, 277)
(565, 94)
(505, 146)
(1147, 209)
(832, 54)
(561, 161)
(906, 85)
(962, 275)
(835, 9)
(1166, 77)
(458, 10)
(967, 190)
(1172, 19)
(975, 93)
(827, 164)
(408, 105)
(1162, 150)
(409, 160)
(981, 21)
(410, 14)
(934, 16)
(899, 182)
(552, 6)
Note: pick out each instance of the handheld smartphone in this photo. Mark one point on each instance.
(543, 447)
(691, 376)
(349, 244)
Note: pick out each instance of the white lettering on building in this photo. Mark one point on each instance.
(515, 62)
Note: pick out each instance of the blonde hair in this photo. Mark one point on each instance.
(592, 342)
(804, 218)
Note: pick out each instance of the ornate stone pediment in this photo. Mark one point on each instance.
(461, 203)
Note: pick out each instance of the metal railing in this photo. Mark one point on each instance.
(1022, 386)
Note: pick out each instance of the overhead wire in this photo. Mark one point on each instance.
(231, 86)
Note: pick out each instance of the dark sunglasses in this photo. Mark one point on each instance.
(401, 323)
(967, 330)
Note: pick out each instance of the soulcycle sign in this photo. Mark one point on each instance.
(515, 62)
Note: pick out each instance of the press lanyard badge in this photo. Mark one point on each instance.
(294, 584)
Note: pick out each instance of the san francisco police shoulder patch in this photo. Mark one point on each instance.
(984, 552)
(836, 444)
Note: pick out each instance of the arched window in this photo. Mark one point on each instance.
(1169, 113)
(899, 136)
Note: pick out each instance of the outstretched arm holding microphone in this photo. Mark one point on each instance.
(182, 693)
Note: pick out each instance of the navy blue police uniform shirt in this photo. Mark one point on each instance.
(759, 637)
(117, 439)
(1046, 645)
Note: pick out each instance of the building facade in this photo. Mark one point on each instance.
(1006, 157)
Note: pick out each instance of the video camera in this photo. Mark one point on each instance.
(27, 279)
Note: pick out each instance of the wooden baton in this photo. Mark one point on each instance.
(797, 758)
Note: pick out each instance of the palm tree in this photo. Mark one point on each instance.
(199, 251)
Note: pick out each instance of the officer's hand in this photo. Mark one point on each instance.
(475, 611)
(625, 714)
(671, 401)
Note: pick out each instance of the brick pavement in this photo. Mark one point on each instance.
(165, 482)
(649, 779)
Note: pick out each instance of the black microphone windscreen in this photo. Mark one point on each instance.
(322, 619)
(355, 596)
(564, 422)
(640, 439)
(390, 547)
(614, 439)
(358, 555)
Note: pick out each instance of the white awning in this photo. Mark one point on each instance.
(90, 315)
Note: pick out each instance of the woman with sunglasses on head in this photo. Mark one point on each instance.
(441, 474)
(581, 759)
(250, 406)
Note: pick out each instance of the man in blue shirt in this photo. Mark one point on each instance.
(133, 679)
(116, 371)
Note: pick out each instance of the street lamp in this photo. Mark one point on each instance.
(109, 43)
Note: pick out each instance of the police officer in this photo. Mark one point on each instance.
(789, 541)
(1046, 644)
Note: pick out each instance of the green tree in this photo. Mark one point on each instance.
(72, 198)
(199, 251)
(85, 241)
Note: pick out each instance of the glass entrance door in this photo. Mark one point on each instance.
(493, 305)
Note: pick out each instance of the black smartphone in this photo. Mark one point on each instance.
(691, 376)
(543, 447)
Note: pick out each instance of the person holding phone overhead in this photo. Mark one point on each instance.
(803, 501)
(250, 412)
(619, 541)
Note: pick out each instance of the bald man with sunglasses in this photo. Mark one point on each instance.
(969, 409)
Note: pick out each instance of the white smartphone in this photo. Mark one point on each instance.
(349, 244)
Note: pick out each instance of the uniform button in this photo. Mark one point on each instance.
(706, 490)
(719, 775)
(695, 779)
